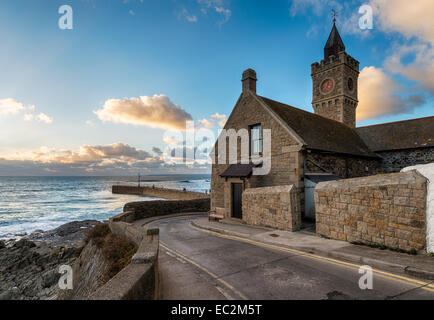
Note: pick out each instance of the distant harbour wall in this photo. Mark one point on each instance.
(162, 193)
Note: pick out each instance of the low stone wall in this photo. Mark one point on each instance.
(139, 280)
(145, 209)
(276, 207)
(387, 210)
(162, 193)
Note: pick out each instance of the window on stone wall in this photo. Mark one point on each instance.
(256, 139)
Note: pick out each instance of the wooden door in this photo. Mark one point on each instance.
(237, 191)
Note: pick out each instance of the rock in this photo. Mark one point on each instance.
(30, 265)
(74, 227)
(24, 243)
(21, 234)
(50, 278)
(68, 235)
(10, 294)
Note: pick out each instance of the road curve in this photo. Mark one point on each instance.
(198, 265)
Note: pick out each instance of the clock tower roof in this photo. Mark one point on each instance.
(334, 43)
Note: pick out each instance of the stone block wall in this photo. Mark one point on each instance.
(387, 210)
(342, 166)
(276, 207)
(396, 160)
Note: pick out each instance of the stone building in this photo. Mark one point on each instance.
(304, 143)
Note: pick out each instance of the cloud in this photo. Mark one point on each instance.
(42, 117)
(187, 16)
(206, 123)
(315, 6)
(225, 12)
(86, 154)
(221, 118)
(113, 159)
(412, 19)
(156, 112)
(378, 95)
(420, 69)
(216, 6)
(10, 106)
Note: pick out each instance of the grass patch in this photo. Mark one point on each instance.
(97, 234)
(118, 251)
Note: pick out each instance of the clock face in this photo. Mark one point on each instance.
(350, 84)
(327, 86)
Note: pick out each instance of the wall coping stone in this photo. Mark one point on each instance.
(275, 189)
(380, 179)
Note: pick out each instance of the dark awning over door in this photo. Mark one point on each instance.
(238, 171)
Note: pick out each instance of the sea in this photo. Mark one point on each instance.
(28, 204)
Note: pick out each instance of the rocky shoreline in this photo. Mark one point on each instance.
(29, 267)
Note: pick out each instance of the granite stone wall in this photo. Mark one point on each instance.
(387, 210)
(276, 207)
(395, 161)
(343, 166)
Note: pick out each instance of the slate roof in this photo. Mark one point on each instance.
(320, 133)
(238, 171)
(408, 134)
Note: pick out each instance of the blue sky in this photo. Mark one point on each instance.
(193, 52)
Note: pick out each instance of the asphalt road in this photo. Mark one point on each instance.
(198, 265)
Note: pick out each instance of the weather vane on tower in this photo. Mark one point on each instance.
(334, 15)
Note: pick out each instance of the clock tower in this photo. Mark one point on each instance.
(335, 82)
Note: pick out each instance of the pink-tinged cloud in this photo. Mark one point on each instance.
(156, 112)
(378, 95)
(410, 18)
(113, 159)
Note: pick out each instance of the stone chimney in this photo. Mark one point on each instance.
(249, 80)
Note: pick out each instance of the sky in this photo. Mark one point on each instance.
(102, 98)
